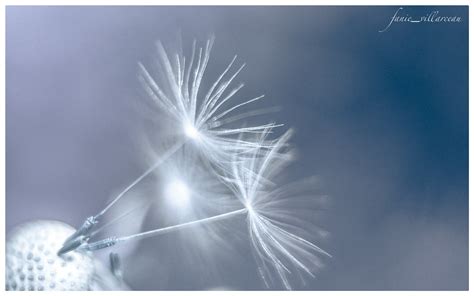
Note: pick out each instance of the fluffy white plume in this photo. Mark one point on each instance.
(277, 229)
(204, 117)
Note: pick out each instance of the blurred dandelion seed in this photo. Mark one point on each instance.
(178, 193)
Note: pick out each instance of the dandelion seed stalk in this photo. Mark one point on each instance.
(157, 163)
(111, 241)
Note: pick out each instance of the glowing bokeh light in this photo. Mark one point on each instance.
(178, 193)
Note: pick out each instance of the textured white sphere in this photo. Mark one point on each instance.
(32, 263)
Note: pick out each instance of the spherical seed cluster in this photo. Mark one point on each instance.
(33, 265)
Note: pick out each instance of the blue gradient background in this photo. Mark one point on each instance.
(382, 118)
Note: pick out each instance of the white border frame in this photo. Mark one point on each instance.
(221, 3)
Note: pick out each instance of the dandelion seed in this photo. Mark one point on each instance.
(272, 222)
(202, 117)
